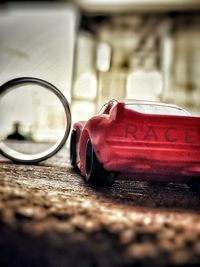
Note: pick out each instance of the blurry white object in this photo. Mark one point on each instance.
(103, 57)
(144, 85)
(38, 41)
(137, 5)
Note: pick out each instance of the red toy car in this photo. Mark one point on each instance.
(149, 140)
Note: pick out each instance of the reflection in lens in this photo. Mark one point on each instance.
(32, 119)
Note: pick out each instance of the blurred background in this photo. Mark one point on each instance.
(96, 50)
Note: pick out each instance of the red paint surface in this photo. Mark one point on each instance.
(127, 141)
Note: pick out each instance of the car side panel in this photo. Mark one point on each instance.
(150, 144)
(130, 142)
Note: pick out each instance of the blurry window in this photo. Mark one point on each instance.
(157, 109)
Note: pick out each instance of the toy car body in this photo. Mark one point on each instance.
(149, 140)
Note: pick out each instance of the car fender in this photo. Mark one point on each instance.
(95, 130)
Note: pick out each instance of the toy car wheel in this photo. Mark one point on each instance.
(194, 185)
(73, 148)
(95, 173)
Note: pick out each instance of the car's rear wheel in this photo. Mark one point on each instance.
(94, 171)
(73, 148)
(194, 185)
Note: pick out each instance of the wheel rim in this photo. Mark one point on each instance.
(94, 171)
(89, 160)
(73, 148)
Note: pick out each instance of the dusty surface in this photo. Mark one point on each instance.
(50, 217)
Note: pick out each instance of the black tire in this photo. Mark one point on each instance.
(194, 185)
(73, 148)
(95, 173)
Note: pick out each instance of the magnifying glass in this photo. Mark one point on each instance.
(35, 120)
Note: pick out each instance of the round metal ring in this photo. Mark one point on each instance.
(33, 158)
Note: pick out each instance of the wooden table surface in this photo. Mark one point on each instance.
(49, 216)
